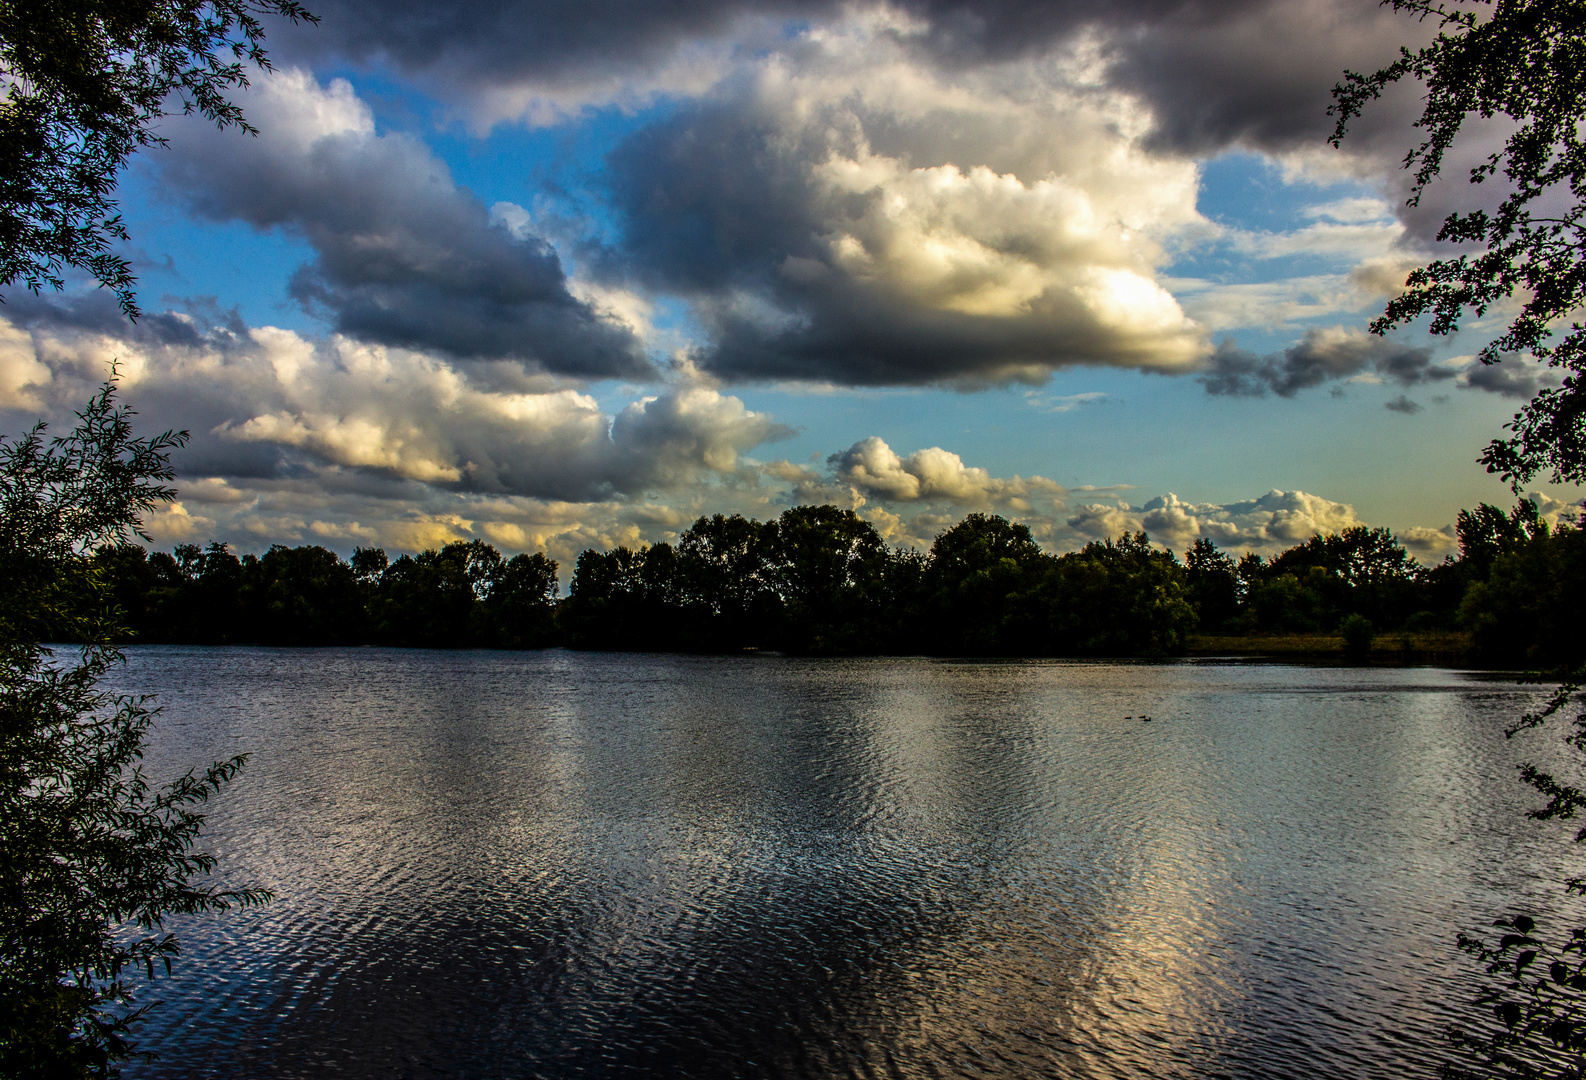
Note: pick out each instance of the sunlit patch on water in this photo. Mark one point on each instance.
(566, 865)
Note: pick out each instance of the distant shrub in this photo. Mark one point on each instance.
(1358, 634)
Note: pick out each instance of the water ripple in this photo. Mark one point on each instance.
(561, 865)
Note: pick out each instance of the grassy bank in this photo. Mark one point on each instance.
(1442, 647)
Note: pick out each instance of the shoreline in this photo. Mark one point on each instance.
(1437, 649)
(1443, 648)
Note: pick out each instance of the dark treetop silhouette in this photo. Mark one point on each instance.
(821, 580)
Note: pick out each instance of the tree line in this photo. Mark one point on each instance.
(821, 580)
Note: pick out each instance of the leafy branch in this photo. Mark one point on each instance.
(88, 846)
(85, 81)
(1526, 63)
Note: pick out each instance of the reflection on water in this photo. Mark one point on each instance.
(564, 865)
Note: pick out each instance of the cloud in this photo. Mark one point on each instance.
(1253, 73)
(496, 60)
(874, 469)
(1514, 376)
(915, 192)
(404, 257)
(1269, 304)
(1383, 275)
(1102, 521)
(1277, 520)
(267, 404)
(950, 192)
(173, 524)
(1319, 356)
(21, 373)
(1556, 511)
(892, 493)
(1352, 210)
(1063, 403)
(844, 211)
(1429, 545)
(343, 443)
(911, 499)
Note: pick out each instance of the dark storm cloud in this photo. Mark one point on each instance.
(1320, 356)
(1258, 75)
(709, 201)
(844, 337)
(404, 256)
(1255, 72)
(503, 41)
(719, 200)
(493, 42)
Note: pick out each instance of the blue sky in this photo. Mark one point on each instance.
(1099, 273)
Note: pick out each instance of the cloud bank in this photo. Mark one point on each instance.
(269, 404)
(953, 193)
(1240, 72)
(931, 192)
(341, 442)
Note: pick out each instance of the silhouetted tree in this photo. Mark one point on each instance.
(368, 564)
(1527, 612)
(302, 596)
(727, 564)
(1213, 584)
(1360, 571)
(520, 603)
(86, 83)
(1487, 532)
(820, 579)
(92, 857)
(1291, 603)
(1116, 599)
(622, 599)
(128, 580)
(976, 577)
(1523, 61)
(830, 570)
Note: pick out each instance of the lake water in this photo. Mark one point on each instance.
(585, 865)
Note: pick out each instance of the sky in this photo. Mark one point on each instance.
(570, 276)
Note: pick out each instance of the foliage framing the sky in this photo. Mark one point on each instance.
(85, 82)
(1527, 63)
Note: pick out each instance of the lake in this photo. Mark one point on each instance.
(589, 865)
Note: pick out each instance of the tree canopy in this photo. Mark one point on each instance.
(1523, 61)
(85, 81)
(821, 580)
(89, 849)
